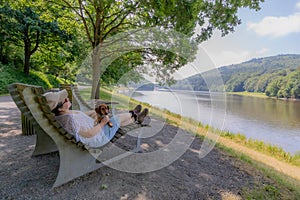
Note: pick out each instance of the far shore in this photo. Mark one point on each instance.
(261, 95)
(248, 94)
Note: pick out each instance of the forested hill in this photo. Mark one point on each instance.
(276, 76)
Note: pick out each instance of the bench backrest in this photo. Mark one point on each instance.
(42, 114)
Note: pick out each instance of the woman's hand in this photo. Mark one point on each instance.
(105, 120)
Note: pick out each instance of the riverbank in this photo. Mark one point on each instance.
(261, 95)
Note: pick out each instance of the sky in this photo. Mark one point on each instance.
(273, 30)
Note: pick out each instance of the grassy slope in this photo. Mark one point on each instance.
(10, 74)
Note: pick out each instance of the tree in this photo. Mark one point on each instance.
(122, 70)
(251, 83)
(294, 82)
(102, 19)
(25, 28)
(236, 83)
(273, 89)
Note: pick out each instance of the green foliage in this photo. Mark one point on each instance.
(274, 87)
(250, 84)
(236, 83)
(287, 86)
(9, 74)
(42, 43)
(122, 70)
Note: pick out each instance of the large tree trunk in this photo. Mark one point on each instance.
(97, 95)
(27, 49)
(96, 74)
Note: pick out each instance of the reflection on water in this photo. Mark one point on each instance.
(274, 112)
(273, 121)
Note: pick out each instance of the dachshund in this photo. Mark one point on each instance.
(103, 110)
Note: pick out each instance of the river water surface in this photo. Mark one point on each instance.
(270, 120)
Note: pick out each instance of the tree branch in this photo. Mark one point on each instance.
(90, 16)
(121, 21)
(104, 44)
(80, 14)
(84, 23)
(36, 43)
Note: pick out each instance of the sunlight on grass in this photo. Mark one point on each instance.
(250, 94)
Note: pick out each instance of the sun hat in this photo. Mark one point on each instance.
(53, 98)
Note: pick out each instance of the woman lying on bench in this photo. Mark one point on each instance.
(83, 126)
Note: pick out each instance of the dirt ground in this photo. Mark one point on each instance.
(216, 176)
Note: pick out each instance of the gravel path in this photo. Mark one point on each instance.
(216, 176)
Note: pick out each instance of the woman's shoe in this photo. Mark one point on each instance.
(135, 112)
(141, 116)
(137, 109)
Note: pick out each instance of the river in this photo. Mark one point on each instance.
(273, 121)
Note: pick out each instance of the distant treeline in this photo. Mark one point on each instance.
(276, 76)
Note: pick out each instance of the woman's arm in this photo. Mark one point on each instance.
(96, 129)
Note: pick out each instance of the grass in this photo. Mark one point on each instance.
(9, 74)
(268, 149)
(250, 94)
(283, 187)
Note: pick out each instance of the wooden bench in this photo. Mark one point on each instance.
(76, 158)
(16, 92)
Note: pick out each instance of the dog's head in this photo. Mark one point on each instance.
(102, 109)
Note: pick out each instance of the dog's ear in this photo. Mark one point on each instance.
(108, 108)
(102, 108)
(97, 109)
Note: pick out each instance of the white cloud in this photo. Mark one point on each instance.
(298, 5)
(277, 26)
